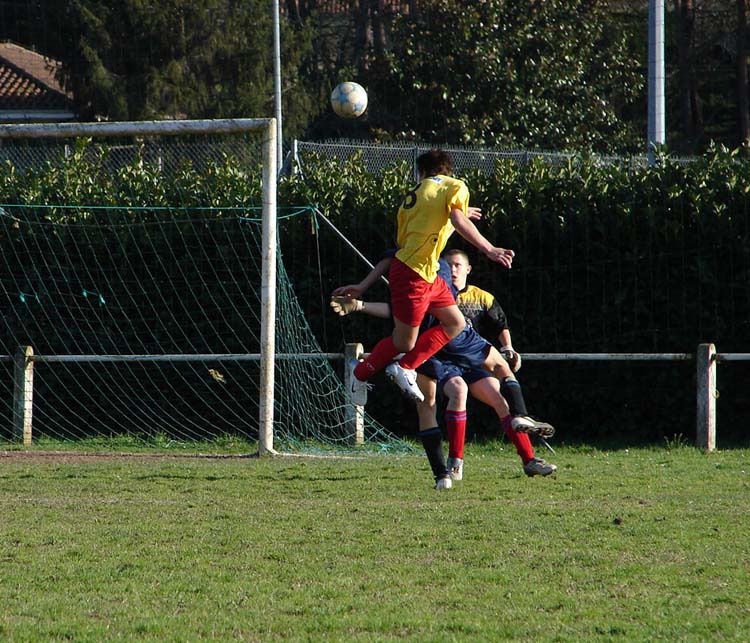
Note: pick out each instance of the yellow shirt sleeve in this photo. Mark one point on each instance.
(459, 197)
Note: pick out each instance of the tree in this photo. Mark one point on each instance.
(702, 75)
(691, 118)
(544, 74)
(743, 117)
(130, 60)
(554, 74)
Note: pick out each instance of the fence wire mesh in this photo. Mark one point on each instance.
(377, 157)
(168, 153)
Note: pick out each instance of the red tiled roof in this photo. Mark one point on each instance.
(27, 81)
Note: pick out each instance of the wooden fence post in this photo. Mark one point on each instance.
(706, 409)
(354, 415)
(23, 393)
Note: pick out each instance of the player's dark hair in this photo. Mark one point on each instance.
(435, 162)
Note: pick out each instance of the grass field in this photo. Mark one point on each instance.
(624, 545)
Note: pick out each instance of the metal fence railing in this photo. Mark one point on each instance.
(705, 357)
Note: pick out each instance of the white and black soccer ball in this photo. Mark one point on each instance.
(349, 100)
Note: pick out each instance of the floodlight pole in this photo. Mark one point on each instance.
(277, 83)
(655, 77)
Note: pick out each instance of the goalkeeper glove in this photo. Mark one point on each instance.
(513, 358)
(345, 305)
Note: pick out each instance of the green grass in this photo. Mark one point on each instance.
(162, 444)
(628, 545)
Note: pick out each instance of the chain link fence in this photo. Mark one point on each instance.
(170, 154)
(377, 157)
(165, 152)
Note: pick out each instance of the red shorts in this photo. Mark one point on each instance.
(412, 297)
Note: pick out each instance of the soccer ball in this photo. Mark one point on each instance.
(349, 100)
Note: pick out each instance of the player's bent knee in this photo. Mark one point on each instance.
(454, 330)
(456, 390)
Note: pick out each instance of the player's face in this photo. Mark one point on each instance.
(460, 270)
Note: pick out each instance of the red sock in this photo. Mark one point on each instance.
(455, 422)
(428, 343)
(521, 441)
(380, 356)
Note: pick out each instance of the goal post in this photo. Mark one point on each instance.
(266, 129)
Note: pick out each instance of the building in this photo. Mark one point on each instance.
(29, 89)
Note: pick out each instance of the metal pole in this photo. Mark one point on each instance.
(656, 126)
(132, 128)
(268, 294)
(324, 218)
(277, 84)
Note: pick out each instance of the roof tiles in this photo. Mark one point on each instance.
(27, 81)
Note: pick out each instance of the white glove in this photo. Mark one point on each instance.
(345, 305)
(513, 358)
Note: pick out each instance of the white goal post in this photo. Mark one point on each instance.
(265, 128)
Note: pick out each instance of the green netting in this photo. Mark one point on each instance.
(148, 281)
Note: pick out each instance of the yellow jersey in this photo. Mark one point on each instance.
(424, 222)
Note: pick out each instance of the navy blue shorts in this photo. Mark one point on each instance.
(469, 349)
(442, 371)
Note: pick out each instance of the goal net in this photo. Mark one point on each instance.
(142, 280)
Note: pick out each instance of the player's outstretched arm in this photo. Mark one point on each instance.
(357, 290)
(466, 228)
(346, 305)
(352, 291)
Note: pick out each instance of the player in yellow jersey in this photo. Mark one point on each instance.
(428, 215)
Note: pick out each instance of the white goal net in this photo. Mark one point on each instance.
(144, 301)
